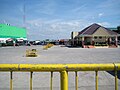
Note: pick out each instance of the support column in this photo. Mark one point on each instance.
(77, 41)
(106, 40)
(83, 42)
(116, 41)
(64, 80)
(93, 43)
(109, 41)
(73, 42)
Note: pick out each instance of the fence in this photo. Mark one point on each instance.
(63, 69)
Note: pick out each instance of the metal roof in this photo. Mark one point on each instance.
(93, 28)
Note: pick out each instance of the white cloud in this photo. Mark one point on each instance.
(100, 14)
(76, 10)
(54, 29)
(106, 24)
(46, 7)
(57, 29)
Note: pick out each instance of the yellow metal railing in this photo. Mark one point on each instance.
(63, 69)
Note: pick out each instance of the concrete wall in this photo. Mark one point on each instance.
(73, 34)
(101, 32)
(100, 39)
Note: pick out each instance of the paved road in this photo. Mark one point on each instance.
(56, 55)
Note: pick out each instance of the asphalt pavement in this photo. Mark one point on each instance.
(58, 55)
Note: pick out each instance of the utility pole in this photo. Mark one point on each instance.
(24, 15)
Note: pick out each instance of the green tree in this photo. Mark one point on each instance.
(118, 27)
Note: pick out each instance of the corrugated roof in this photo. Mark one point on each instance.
(93, 28)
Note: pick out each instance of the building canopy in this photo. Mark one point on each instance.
(7, 31)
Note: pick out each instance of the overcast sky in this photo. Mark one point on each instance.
(56, 19)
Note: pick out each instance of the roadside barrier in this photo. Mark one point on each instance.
(47, 46)
(63, 69)
(31, 53)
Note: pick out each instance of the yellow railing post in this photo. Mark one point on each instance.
(31, 80)
(76, 81)
(96, 79)
(64, 80)
(116, 80)
(11, 77)
(51, 80)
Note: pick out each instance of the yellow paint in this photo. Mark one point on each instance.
(47, 46)
(11, 79)
(31, 53)
(59, 67)
(51, 80)
(116, 77)
(63, 69)
(76, 81)
(96, 79)
(64, 80)
(31, 80)
(116, 81)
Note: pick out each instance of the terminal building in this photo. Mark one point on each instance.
(12, 33)
(93, 36)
